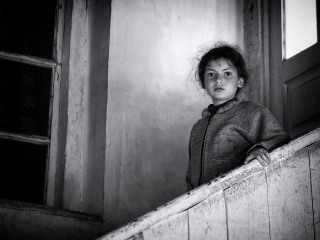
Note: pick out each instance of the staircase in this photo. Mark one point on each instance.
(281, 201)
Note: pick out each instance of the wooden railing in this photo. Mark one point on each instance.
(281, 201)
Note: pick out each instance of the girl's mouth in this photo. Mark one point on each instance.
(218, 89)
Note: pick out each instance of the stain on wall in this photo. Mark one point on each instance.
(152, 105)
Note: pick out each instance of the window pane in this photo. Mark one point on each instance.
(24, 98)
(22, 171)
(27, 27)
(300, 26)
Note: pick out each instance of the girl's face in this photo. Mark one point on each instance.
(221, 80)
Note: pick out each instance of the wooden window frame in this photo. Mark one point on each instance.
(55, 65)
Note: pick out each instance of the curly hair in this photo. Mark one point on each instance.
(222, 50)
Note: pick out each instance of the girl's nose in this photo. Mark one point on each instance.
(218, 80)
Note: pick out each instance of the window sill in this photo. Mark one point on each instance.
(30, 207)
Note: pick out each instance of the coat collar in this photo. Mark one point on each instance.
(240, 96)
(235, 101)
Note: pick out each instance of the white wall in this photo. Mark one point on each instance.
(151, 104)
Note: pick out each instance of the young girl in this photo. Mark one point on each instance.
(233, 131)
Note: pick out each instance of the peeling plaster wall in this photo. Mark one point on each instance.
(152, 105)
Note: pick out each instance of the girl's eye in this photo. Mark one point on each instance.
(210, 75)
(228, 74)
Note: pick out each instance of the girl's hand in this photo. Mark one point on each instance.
(259, 153)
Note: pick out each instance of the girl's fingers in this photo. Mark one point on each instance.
(261, 161)
(265, 158)
(248, 159)
(268, 155)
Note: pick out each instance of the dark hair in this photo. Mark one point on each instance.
(223, 50)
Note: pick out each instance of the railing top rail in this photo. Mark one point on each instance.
(204, 191)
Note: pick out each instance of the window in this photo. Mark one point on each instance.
(300, 26)
(29, 68)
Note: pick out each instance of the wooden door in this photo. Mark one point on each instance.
(295, 82)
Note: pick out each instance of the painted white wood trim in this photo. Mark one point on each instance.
(72, 192)
(247, 209)
(39, 140)
(203, 192)
(175, 227)
(314, 156)
(208, 219)
(52, 164)
(177, 205)
(36, 61)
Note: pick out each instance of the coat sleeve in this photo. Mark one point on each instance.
(265, 131)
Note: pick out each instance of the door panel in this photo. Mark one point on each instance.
(301, 102)
(295, 82)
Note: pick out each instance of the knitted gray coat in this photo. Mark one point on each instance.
(220, 143)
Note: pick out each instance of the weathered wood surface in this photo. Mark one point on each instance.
(207, 220)
(289, 197)
(138, 236)
(271, 203)
(173, 228)
(39, 140)
(314, 154)
(247, 208)
(239, 174)
(37, 61)
(53, 169)
(177, 205)
(73, 173)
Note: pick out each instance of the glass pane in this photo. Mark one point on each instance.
(22, 171)
(300, 26)
(27, 27)
(24, 98)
